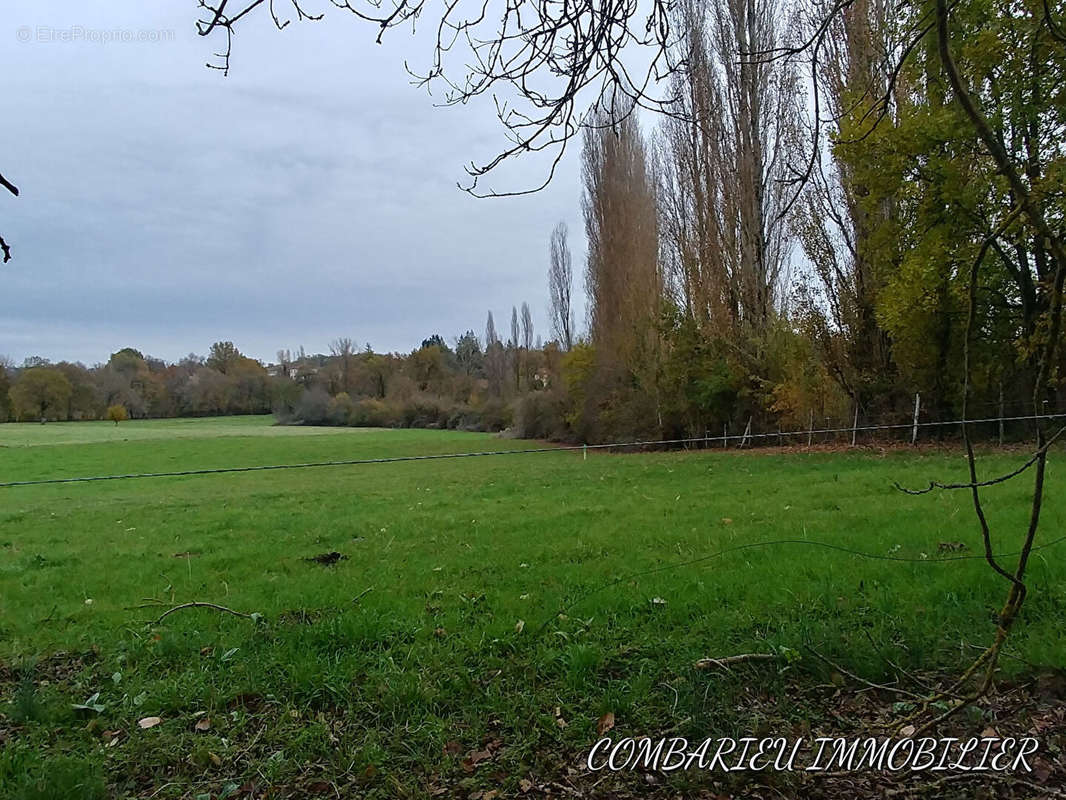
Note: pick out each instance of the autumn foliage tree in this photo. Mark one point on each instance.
(41, 393)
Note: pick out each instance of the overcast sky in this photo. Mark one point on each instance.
(309, 195)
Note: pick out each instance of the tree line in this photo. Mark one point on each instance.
(734, 271)
(737, 271)
(131, 384)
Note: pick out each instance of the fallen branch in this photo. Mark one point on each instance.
(199, 604)
(914, 678)
(853, 676)
(362, 594)
(725, 661)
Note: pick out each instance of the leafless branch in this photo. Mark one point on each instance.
(4, 247)
(551, 54)
(879, 686)
(727, 661)
(199, 604)
(992, 481)
(9, 186)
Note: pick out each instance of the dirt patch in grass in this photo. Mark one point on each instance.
(58, 668)
(327, 559)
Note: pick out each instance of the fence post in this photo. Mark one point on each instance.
(855, 425)
(584, 452)
(747, 433)
(914, 428)
(810, 430)
(1001, 413)
(725, 435)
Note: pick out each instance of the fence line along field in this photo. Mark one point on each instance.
(407, 636)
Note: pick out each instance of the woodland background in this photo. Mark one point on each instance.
(721, 284)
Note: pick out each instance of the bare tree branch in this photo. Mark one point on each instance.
(4, 247)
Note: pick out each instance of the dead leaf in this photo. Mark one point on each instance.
(453, 748)
(606, 723)
(215, 759)
(440, 633)
(203, 724)
(491, 794)
(525, 785)
(520, 626)
(112, 737)
(1041, 771)
(559, 717)
(727, 521)
(907, 730)
(149, 722)
(370, 771)
(989, 733)
(473, 758)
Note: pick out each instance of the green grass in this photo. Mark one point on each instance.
(446, 557)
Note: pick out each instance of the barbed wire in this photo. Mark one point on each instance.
(724, 439)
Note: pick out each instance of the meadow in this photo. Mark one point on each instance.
(484, 615)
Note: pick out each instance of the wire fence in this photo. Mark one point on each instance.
(748, 438)
(813, 435)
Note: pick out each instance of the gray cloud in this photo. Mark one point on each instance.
(309, 195)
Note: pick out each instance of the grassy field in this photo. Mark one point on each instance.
(434, 657)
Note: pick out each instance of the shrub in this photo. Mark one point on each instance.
(465, 418)
(495, 415)
(339, 411)
(373, 413)
(313, 407)
(117, 413)
(426, 411)
(285, 396)
(541, 415)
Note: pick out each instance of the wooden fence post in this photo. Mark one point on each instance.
(747, 433)
(725, 435)
(914, 427)
(810, 430)
(855, 425)
(1001, 413)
